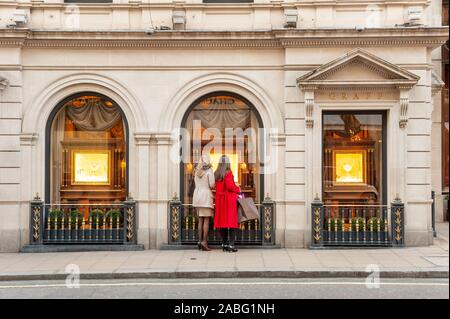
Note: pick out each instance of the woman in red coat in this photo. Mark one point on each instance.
(226, 217)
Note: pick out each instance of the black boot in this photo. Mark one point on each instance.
(231, 247)
(224, 235)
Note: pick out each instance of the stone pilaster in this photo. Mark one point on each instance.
(142, 140)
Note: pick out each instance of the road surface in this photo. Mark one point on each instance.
(229, 288)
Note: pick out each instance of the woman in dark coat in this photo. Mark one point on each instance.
(226, 217)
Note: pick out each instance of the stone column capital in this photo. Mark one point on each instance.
(28, 139)
(142, 138)
(277, 139)
(163, 138)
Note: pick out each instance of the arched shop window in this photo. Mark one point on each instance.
(87, 151)
(225, 124)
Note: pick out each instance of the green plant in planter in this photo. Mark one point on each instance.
(55, 216)
(357, 220)
(333, 222)
(376, 222)
(97, 217)
(73, 214)
(113, 215)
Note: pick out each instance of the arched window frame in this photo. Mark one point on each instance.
(260, 126)
(48, 134)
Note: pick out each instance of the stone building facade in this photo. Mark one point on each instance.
(299, 67)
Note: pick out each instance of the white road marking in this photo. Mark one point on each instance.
(318, 283)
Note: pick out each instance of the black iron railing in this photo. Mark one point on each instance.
(433, 213)
(183, 223)
(83, 224)
(357, 225)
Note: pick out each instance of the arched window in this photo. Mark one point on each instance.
(87, 151)
(224, 123)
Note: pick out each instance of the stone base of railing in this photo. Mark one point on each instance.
(77, 248)
(216, 246)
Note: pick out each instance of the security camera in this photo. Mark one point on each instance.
(3, 83)
(11, 24)
(150, 31)
(18, 19)
(359, 28)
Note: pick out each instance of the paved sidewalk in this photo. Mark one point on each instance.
(415, 262)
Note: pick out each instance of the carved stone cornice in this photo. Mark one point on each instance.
(420, 36)
(13, 37)
(378, 88)
(361, 42)
(11, 43)
(152, 44)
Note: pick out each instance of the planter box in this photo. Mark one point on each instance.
(74, 235)
(356, 237)
(109, 234)
(67, 235)
(334, 237)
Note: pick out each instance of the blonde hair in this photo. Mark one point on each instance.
(203, 165)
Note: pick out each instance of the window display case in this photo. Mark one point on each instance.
(353, 158)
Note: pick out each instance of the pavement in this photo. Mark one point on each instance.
(408, 262)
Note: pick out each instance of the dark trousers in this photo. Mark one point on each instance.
(228, 235)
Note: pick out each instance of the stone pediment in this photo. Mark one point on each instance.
(358, 68)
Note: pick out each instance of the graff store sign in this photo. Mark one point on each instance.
(220, 101)
(352, 95)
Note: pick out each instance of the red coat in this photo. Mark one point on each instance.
(226, 203)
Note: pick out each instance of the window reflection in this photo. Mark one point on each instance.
(353, 157)
(88, 152)
(224, 124)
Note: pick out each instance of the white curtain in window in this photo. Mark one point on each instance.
(94, 116)
(226, 118)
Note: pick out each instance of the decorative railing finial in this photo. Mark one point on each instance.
(36, 197)
(175, 196)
